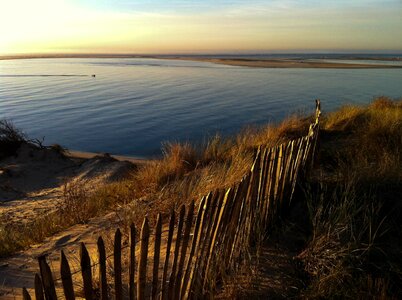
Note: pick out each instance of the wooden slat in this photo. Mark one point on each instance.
(102, 269)
(286, 176)
(299, 162)
(186, 235)
(86, 272)
(296, 164)
(292, 163)
(142, 264)
(185, 280)
(279, 170)
(306, 150)
(66, 279)
(274, 181)
(38, 288)
(176, 252)
(239, 223)
(132, 263)
(118, 286)
(263, 180)
(202, 255)
(261, 176)
(157, 250)
(206, 253)
(167, 256)
(189, 291)
(282, 175)
(265, 189)
(298, 147)
(47, 279)
(254, 195)
(25, 294)
(250, 198)
(233, 216)
(270, 187)
(216, 230)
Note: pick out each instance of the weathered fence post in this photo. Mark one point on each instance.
(167, 256)
(117, 265)
(86, 272)
(186, 236)
(185, 279)
(132, 263)
(142, 264)
(66, 278)
(176, 252)
(102, 269)
(38, 288)
(157, 250)
(47, 279)
(25, 294)
(189, 290)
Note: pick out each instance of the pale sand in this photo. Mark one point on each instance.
(32, 182)
(289, 63)
(243, 62)
(31, 185)
(88, 155)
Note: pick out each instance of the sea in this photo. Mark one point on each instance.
(133, 106)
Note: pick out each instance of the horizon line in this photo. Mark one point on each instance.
(279, 52)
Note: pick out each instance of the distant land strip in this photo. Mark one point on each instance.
(45, 75)
(243, 62)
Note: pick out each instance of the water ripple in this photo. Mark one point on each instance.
(132, 109)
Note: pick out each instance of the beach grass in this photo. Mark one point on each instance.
(355, 205)
(184, 172)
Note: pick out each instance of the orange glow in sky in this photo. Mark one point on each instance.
(57, 26)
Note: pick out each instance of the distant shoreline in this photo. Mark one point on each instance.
(242, 62)
(89, 155)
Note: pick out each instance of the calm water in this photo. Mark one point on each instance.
(132, 105)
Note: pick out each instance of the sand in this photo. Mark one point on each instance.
(243, 62)
(290, 63)
(32, 182)
(31, 185)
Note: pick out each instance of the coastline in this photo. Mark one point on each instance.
(288, 63)
(240, 62)
(89, 155)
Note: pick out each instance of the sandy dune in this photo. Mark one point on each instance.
(32, 182)
(31, 185)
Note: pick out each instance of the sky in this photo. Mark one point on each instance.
(208, 26)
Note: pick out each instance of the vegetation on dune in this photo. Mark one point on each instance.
(354, 202)
(185, 172)
(352, 196)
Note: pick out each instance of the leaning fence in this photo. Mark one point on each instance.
(186, 257)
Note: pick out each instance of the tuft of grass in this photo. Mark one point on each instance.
(59, 149)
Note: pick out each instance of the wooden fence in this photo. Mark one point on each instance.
(189, 257)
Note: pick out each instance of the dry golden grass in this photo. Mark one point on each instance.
(184, 173)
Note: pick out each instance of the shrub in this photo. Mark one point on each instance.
(11, 138)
